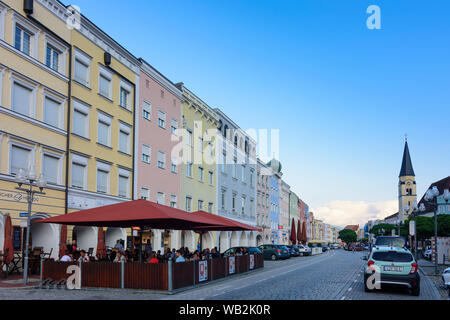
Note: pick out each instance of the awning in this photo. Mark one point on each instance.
(146, 213)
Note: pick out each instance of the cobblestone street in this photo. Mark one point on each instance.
(334, 275)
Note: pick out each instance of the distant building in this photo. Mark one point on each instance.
(443, 206)
(353, 227)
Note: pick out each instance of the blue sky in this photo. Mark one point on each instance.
(343, 96)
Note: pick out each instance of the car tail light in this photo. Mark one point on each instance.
(371, 262)
(413, 267)
(279, 250)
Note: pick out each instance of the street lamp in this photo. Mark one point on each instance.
(431, 199)
(30, 179)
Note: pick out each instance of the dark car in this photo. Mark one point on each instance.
(275, 251)
(235, 250)
(294, 250)
(325, 248)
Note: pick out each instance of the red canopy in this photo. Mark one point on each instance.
(101, 248)
(293, 233)
(8, 244)
(145, 213)
(63, 241)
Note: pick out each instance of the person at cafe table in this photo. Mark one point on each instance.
(72, 248)
(119, 257)
(66, 257)
(83, 257)
(153, 258)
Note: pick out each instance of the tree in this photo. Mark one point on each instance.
(383, 229)
(347, 235)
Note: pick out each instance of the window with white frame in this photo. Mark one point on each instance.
(161, 160)
(80, 125)
(188, 204)
(22, 39)
(145, 193)
(124, 183)
(102, 180)
(23, 97)
(189, 169)
(210, 178)
(189, 137)
(242, 173)
(243, 205)
(200, 205)
(105, 83)
(161, 119)
(53, 111)
(52, 58)
(235, 168)
(146, 153)
(173, 201)
(160, 198)
(79, 172)
(51, 169)
(173, 125)
(173, 166)
(20, 158)
(104, 129)
(147, 110)
(224, 161)
(200, 144)
(222, 199)
(82, 67)
(125, 95)
(251, 178)
(210, 207)
(200, 174)
(251, 207)
(233, 202)
(124, 138)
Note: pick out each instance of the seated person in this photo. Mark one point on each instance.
(83, 257)
(66, 257)
(153, 258)
(119, 257)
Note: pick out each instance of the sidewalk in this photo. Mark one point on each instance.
(427, 267)
(16, 281)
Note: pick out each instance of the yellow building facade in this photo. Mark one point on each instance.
(34, 99)
(198, 168)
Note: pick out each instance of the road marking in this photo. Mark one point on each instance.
(343, 298)
(349, 289)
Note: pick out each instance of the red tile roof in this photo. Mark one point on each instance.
(353, 227)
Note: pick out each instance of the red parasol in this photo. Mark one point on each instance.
(293, 233)
(101, 248)
(304, 233)
(299, 232)
(8, 245)
(62, 241)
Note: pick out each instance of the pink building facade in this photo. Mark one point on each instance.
(158, 177)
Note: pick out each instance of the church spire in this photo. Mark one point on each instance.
(407, 168)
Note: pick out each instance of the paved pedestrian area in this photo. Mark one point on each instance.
(334, 275)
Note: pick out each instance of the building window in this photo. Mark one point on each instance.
(51, 169)
(173, 201)
(243, 173)
(189, 169)
(210, 178)
(243, 205)
(78, 175)
(161, 119)
(200, 205)
(188, 204)
(189, 137)
(20, 159)
(104, 130)
(105, 81)
(52, 58)
(160, 198)
(233, 202)
(173, 166)
(22, 98)
(123, 185)
(146, 153)
(173, 126)
(124, 139)
(146, 110)
(161, 160)
(200, 174)
(224, 160)
(124, 98)
(82, 68)
(52, 112)
(222, 199)
(235, 168)
(251, 207)
(210, 207)
(102, 180)
(252, 184)
(200, 144)
(22, 40)
(145, 193)
(81, 120)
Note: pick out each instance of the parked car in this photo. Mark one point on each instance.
(356, 247)
(446, 277)
(294, 250)
(274, 251)
(325, 248)
(304, 250)
(396, 266)
(251, 250)
(391, 241)
(427, 254)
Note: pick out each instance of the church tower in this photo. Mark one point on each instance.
(406, 186)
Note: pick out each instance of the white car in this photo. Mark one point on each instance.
(304, 250)
(446, 277)
(427, 254)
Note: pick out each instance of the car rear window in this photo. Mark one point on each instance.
(393, 242)
(392, 256)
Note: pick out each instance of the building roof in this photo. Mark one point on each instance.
(392, 216)
(353, 227)
(441, 185)
(407, 168)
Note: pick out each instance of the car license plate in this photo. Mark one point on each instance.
(390, 268)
